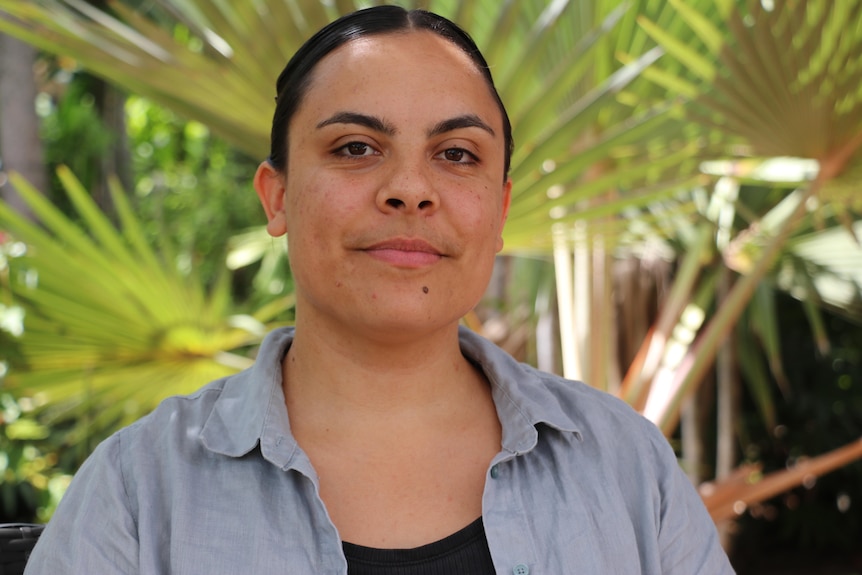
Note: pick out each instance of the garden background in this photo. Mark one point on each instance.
(684, 232)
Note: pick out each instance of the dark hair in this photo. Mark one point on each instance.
(293, 81)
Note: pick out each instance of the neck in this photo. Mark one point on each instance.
(352, 380)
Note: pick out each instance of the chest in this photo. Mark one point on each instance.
(256, 518)
(406, 496)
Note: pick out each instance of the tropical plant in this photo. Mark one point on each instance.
(191, 187)
(112, 326)
(779, 81)
(32, 475)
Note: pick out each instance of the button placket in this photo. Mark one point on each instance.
(502, 511)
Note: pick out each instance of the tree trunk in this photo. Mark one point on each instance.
(20, 146)
(111, 103)
(727, 406)
(691, 437)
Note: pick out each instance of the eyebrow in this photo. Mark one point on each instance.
(370, 122)
(459, 122)
(379, 125)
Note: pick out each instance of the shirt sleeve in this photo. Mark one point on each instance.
(93, 529)
(688, 540)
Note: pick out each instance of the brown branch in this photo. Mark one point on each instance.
(744, 487)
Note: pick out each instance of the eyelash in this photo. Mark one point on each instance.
(472, 159)
(344, 151)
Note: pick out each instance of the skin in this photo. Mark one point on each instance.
(394, 203)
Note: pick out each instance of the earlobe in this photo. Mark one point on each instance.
(507, 199)
(269, 184)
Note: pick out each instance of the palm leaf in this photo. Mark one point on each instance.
(786, 82)
(111, 326)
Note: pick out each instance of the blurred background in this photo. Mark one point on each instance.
(684, 231)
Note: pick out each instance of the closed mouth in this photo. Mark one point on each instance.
(405, 245)
(408, 253)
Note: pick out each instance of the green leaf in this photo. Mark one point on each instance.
(700, 66)
(108, 327)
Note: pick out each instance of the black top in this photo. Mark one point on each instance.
(465, 552)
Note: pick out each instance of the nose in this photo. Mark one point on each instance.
(408, 188)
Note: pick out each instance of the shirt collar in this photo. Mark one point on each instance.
(251, 411)
(524, 396)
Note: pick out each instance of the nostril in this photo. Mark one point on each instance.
(394, 202)
(424, 204)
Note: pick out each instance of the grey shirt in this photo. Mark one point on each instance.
(214, 483)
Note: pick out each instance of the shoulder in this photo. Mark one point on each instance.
(589, 452)
(545, 398)
(185, 415)
(584, 404)
(604, 424)
(226, 416)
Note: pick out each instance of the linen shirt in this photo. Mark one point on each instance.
(214, 483)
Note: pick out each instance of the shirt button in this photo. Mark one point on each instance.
(495, 473)
(521, 570)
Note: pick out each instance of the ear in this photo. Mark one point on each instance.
(269, 184)
(507, 199)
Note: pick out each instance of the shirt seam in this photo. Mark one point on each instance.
(124, 482)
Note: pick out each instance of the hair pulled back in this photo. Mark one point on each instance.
(293, 82)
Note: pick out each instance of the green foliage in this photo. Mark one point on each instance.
(31, 477)
(190, 186)
(111, 326)
(824, 411)
(74, 135)
(192, 189)
(193, 193)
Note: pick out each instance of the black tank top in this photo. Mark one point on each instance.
(465, 552)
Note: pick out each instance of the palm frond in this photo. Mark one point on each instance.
(785, 82)
(110, 322)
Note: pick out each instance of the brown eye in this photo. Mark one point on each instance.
(356, 148)
(458, 156)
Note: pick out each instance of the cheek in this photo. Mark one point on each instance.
(481, 213)
(311, 203)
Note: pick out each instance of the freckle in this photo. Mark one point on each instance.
(424, 289)
(374, 296)
(338, 284)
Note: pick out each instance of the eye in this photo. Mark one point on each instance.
(458, 156)
(356, 150)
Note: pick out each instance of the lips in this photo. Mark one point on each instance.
(405, 252)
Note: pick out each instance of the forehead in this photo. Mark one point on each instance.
(383, 68)
(422, 47)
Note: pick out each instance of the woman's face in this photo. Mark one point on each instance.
(393, 200)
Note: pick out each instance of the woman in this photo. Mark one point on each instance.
(378, 436)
